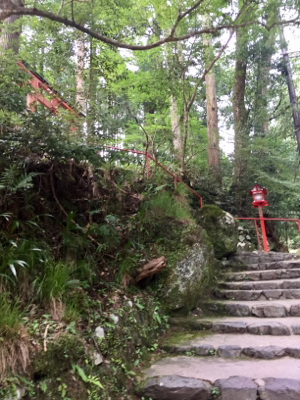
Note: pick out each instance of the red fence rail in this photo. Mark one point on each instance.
(149, 157)
(268, 219)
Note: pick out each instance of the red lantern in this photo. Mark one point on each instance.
(258, 193)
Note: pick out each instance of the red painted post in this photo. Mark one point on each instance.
(257, 235)
(175, 182)
(263, 229)
(201, 203)
(54, 103)
(299, 226)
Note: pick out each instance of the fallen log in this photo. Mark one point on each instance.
(150, 268)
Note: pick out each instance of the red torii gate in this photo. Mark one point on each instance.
(38, 82)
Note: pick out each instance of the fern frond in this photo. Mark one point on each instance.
(12, 179)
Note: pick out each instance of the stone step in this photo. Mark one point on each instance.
(286, 264)
(285, 326)
(182, 378)
(252, 295)
(272, 274)
(261, 285)
(232, 346)
(260, 309)
(245, 258)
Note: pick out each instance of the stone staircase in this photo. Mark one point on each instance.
(246, 345)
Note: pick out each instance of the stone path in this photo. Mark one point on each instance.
(246, 346)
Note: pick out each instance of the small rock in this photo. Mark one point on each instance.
(280, 389)
(175, 387)
(272, 294)
(241, 238)
(130, 303)
(293, 351)
(237, 388)
(204, 350)
(269, 311)
(248, 237)
(98, 358)
(266, 352)
(268, 328)
(295, 310)
(265, 285)
(269, 275)
(177, 348)
(99, 332)
(230, 327)
(229, 351)
(114, 318)
(296, 329)
(288, 294)
(237, 310)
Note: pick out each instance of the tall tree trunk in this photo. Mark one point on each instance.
(174, 113)
(80, 52)
(92, 93)
(211, 109)
(10, 38)
(240, 114)
(175, 126)
(291, 88)
(184, 142)
(266, 51)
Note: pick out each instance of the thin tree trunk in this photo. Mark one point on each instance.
(10, 39)
(80, 52)
(267, 49)
(184, 142)
(92, 93)
(291, 88)
(239, 110)
(175, 126)
(211, 109)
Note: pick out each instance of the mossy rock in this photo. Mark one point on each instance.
(190, 277)
(221, 229)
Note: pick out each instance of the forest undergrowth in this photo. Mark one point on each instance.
(72, 239)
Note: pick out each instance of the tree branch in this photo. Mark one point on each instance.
(192, 99)
(183, 15)
(8, 9)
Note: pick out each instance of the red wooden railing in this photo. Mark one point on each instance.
(268, 219)
(148, 157)
(39, 83)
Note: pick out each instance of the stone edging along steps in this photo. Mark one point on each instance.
(252, 352)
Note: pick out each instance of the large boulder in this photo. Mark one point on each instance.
(190, 276)
(221, 228)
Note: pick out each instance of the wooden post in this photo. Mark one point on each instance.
(31, 98)
(54, 103)
(263, 229)
(257, 235)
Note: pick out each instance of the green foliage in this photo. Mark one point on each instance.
(10, 315)
(55, 281)
(11, 180)
(17, 256)
(61, 354)
(162, 206)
